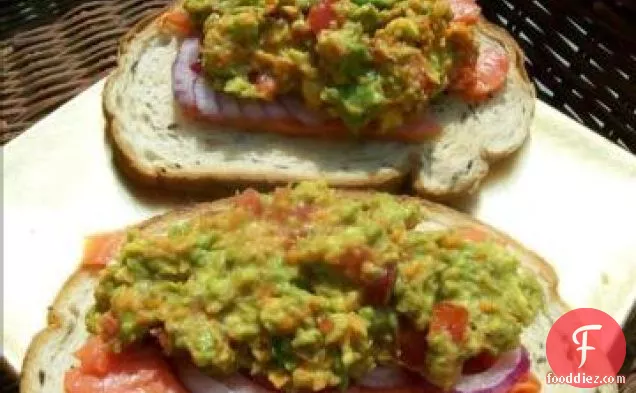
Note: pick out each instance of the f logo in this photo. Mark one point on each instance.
(584, 347)
(584, 344)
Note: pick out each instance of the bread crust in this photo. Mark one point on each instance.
(222, 183)
(59, 323)
(516, 56)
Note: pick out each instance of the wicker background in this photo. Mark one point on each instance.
(52, 50)
(581, 55)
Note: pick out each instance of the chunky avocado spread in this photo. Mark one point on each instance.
(311, 289)
(366, 62)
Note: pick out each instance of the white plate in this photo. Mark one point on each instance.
(569, 195)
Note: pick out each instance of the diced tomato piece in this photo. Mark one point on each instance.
(466, 11)
(527, 383)
(109, 325)
(479, 363)
(266, 85)
(451, 318)
(478, 235)
(530, 377)
(303, 212)
(351, 260)
(325, 325)
(379, 291)
(95, 357)
(138, 370)
(412, 345)
(100, 249)
(473, 234)
(486, 76)
(250, 200)
(177, 22)
(423, 128)
(321, 16)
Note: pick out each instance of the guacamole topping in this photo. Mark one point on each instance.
(311, 289)
(368, 63)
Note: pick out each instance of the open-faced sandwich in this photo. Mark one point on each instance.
(362, 93)
(306, 289)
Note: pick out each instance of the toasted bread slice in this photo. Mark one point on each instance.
(51, 352)
(475, 136)
(155, 145)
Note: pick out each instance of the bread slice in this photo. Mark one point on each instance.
(51, 352)
(154, 145)
(475, 136)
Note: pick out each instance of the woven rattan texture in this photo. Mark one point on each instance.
(582, 57)
(44, 66)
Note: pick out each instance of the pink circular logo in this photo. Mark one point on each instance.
(585, 348)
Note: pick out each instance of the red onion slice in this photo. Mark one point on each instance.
(384, 377)
(252, 109)
(275, 110)
(229, 105)
(465, 10)
(300, 111)
(205, 98)
(240, 384)
(197, 382)
(183, 77)
(497, 379)
(500, 377)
